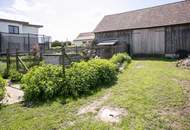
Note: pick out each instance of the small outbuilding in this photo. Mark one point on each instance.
(159, 30)
(84, 39)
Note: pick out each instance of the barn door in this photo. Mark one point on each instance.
(149, 41)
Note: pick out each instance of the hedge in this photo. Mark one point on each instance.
(46, 82)
(42, 83)
(120, 58)
(2, 88)
(15, 76)
(84, 77)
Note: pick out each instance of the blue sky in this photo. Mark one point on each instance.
(65, 19)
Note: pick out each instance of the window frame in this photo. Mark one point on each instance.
(13, 28)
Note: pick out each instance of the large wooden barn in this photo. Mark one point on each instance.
(160, 30)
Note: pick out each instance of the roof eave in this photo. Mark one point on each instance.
(101, 31)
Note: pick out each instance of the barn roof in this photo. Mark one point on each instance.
(163, 15)
(85, 36)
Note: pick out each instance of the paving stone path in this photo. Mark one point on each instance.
(13, 95)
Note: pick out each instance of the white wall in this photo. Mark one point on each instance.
(4, 26)
(78, 43)
(29, 29)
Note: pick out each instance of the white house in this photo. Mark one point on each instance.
(20, 35)
(17, 27)
(84, 39)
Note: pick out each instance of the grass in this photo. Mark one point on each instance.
(3, 66)
(152, 91)
(1, 93)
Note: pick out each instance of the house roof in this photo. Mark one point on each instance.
(163, 15)
(21, 22)
(85, 36)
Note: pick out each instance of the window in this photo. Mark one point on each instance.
(13, 29)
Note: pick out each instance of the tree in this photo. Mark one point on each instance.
(56, 43)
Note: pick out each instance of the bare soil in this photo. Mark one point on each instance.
(94, 106)
(104, 113)
(111, 114)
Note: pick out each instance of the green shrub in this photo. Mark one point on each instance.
(15, 76)
(42, 83)
(120, 58)
(2, 68)
(2, 87)
(46, 82)
(81, 78)
(128, 59)
(106, 71)
(56, 43)
(5, 74)
(84, 77)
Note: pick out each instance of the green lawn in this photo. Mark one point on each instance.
(154, 92)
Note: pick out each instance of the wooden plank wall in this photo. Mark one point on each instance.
(124, 39)
(177, 38)
(149, 41)
(122, 36)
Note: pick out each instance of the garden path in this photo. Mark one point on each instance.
(13, 95)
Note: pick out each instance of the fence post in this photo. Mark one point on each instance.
(63, 60)
(28, 42)
(17, 62)
(8, 61)
(0, 43)
(41, 53)
(76, 50)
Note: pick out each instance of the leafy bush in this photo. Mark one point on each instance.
(42, 83)
(120, 58)
(80, 79)
(2, 87)
(84, 77)
(46, 82)
(2, 68)
(15, 76)
(5, 74)
(106, 71)
(56, 44)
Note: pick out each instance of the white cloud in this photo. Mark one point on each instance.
(61, 19)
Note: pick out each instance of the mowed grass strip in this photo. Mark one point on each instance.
(150, 90)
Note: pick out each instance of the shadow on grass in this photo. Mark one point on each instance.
(155, 59)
